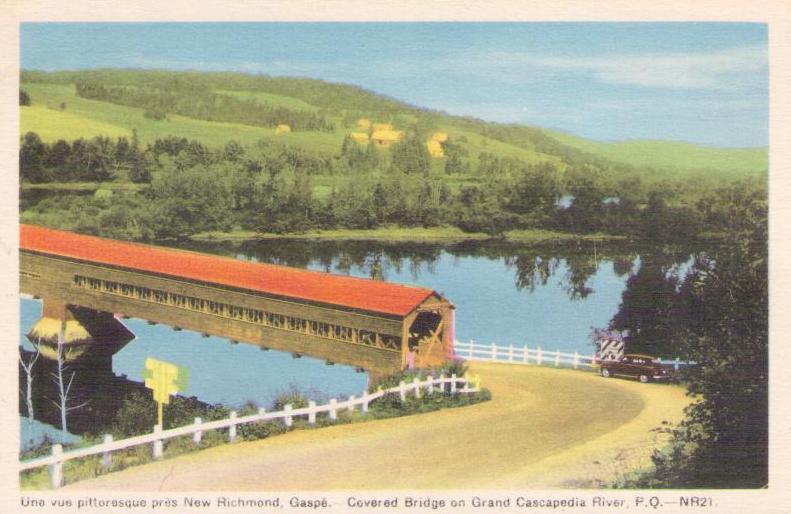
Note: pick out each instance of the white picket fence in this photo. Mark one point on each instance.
(524, 355)
(452, 384)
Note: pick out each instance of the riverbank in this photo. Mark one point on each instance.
(81, 186)
(544, 427)
(445, 234)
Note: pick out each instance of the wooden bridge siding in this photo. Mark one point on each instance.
(60, 273)
(56, 281)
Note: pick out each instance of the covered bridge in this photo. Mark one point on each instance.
(365, 323)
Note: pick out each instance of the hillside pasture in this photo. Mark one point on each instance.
(673, 155)
(53, 124)
(287, 102)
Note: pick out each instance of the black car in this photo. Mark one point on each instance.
(643, 367)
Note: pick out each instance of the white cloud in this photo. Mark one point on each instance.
(724, 69)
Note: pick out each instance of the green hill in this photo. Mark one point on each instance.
(673, 155)
(215, 108)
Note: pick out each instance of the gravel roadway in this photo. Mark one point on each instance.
(543, 428)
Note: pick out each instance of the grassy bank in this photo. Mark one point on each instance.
(81, 186)
(386, 407)
(402, 234)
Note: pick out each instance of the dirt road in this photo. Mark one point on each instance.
(543, 428)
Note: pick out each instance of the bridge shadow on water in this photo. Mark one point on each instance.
(222, 373)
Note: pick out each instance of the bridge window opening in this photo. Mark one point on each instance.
(391, 343)
(366, 337)
(423, 329)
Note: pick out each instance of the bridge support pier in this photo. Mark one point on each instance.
(86, 332)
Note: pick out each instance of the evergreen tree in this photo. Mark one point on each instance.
(32, 156)
(410, 156)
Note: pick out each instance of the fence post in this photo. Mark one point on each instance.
(312, 412)
(593, 360)
(56, 469)
(402, 390)
(232, 428)
(526, 355)
(494, 352)
(430, 386)
(510, 353)
(334, 409)
(539, 356)
(158, 443)
(442, 383)
(453, 383)
(351, 402)
(288, 419)
(676, 364)
(197, 436)
(416, 384)
(365, 402)
(107, 459)
(472, 342)
(576, 360)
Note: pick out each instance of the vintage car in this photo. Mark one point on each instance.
(642, 367)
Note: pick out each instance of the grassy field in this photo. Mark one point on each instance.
(101, 118)
(101, 114)
(672, 154)
(543, 428)
(270, 99)
(52, 124)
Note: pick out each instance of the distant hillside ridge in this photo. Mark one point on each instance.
(219, 106)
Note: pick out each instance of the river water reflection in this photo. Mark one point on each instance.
(549, 296)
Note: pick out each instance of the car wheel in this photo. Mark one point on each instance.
(644, 378)
(605, 372)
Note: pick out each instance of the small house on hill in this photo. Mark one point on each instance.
(363, 124)
(434, 148)
(360, 137)
(282, 129)
(382, 126)
(385, 138)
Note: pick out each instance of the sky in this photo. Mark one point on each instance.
(704, 83)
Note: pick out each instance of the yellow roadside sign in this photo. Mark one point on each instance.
(164, 379)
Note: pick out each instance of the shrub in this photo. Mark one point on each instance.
(291, 397)
(155, 114)
(456, 367)
(137, 414)
(260, 430)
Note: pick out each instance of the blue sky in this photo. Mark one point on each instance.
(699, 82)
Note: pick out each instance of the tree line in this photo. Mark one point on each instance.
(271, 188)
(100, 159)
(203, 105)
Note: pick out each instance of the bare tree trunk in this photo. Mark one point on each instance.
(64, 387)
(28, 367)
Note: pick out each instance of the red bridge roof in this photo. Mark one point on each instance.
(299, 284)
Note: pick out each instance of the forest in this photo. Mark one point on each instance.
(188, 188)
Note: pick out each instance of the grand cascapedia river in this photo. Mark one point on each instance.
(550, 295)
